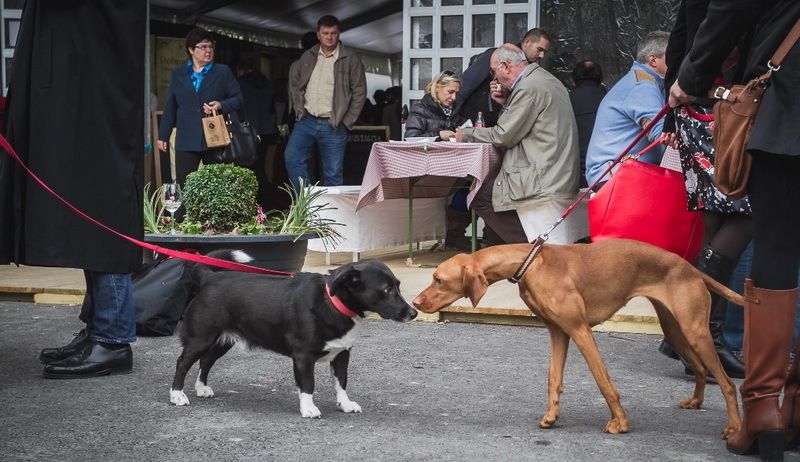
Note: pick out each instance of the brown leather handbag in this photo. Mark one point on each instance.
(734, 115)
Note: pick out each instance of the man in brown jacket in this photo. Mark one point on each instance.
(327, 88)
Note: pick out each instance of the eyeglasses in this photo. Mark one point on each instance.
(205, 47)
(448, 73)
(492, 68)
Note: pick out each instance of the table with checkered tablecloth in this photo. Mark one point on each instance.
(433, 167)
(422, 170)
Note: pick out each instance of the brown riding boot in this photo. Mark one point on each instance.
(790, 408)
(768, 324)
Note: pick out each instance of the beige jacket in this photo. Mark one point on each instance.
(538, 136)
(349, 85)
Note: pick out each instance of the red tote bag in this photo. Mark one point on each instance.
(647, 203)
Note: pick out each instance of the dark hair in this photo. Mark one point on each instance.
(196, 36)
(248, 61)
(587, 70)
(308, 40)
(327, 21)
(535, 34)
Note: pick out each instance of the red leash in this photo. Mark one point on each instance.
(619, 159)
(542, 238)
(172, 253)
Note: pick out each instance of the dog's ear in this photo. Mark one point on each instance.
(347, 276)
(474, 283)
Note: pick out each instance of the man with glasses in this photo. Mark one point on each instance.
(475, 91)
(328, 88)
(536, 130)
(477, 86)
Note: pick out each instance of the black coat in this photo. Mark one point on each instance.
(585, 99)
(775, 129)
(258, 95)
(183, 108)
(690, 14)
(427, 119)
(475, 96)
(76, 116)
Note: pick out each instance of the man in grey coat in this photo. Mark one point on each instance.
(327, 88)
(537, 133)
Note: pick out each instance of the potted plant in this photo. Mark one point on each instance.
(222, 212)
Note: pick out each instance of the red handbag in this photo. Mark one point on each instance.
(647, 203)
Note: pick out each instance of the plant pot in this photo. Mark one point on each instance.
(281, 252)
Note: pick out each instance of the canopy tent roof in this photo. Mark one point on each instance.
(371, 25)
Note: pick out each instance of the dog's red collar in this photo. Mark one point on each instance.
(338, 304)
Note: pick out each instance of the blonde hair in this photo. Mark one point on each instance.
(441, 80)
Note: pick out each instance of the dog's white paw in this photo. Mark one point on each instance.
(307, 408)
(310, 412)
(178, 398)
(203, 391)
(348, 406)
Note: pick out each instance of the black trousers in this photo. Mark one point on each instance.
(506, 224)
(774, 190)
(186, 162)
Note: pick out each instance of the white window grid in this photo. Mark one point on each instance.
(8, 53)
(436, 53)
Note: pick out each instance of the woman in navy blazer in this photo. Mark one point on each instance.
(195, 89)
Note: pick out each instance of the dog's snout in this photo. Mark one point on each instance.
(406, 315)
(418, 301)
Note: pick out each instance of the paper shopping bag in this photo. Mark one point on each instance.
(216, 131)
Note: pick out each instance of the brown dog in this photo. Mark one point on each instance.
(574, 287)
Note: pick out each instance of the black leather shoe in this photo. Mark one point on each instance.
(667, 350)
(51, 355)
(93, 361)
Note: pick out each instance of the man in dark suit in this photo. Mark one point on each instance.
(84, 58)
(474, 95)
(198, 87)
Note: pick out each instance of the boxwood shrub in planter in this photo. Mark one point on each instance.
(222, 212)
(221, 197)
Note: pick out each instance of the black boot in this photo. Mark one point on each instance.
(51, 355)
(720, 268)
(667, 350)
(94, 360)
(455, 223)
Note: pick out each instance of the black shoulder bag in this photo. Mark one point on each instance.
(243, 148)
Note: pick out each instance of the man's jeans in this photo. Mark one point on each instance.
(107, 307)
(331, 142)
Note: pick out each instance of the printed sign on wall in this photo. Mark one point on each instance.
(169, 55)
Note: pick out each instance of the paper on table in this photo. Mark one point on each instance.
(467, 124)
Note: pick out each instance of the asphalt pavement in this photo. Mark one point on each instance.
(429, 392)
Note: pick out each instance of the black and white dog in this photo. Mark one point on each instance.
(309, 317)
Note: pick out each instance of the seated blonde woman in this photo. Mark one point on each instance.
(433, 114)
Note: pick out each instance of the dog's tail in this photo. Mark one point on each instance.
(719, 288)
(200, 272)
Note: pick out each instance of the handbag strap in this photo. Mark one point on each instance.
(794, 35)
(773, 65)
